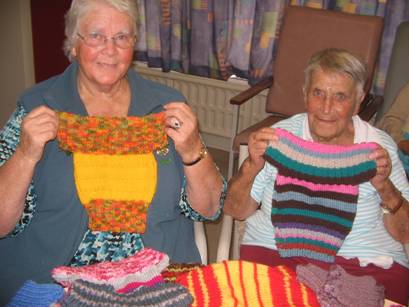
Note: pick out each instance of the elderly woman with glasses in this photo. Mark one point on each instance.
(98, 163)
(325, 188)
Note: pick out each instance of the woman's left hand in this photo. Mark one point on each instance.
(383, 167)
(183, 128)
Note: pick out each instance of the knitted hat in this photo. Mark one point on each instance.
(144, 266)
(32, 294)
(114, 166)
(242, 283)
(316, 193)
(84, 293)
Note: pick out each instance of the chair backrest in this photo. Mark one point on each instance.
(305, 31)
(398, 70)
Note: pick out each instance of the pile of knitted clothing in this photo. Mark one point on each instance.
(133, 281)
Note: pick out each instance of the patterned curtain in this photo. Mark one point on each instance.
(189, 36)
(218, 38)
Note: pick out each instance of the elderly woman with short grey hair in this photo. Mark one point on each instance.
(97, 162)
(324, 187)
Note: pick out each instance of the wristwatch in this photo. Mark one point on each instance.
(387, 210)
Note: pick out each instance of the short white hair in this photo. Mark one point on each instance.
(340, 61)
(81, 7)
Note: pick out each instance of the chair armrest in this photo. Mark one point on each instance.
(404, 146)
(369, 106)
(226, 232)
(252, 91)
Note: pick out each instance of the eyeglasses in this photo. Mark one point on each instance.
(121, 40)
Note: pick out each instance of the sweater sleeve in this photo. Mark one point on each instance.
(9, 140)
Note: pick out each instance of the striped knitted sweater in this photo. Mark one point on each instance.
(316, 193)
(243, 283)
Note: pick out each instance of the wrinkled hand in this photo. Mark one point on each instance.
(258, 143)
(383, 167)
(37, 128)
(183, 128)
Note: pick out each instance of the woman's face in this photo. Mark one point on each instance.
(331, 101)
(104, 65)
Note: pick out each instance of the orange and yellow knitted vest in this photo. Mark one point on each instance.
(115, 170)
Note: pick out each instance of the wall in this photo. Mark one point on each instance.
(47, 19)
(16, 55)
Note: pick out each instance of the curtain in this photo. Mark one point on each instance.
(218, 38)
(189, 36)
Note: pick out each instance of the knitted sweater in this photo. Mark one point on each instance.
(314, 206)
(114, 166)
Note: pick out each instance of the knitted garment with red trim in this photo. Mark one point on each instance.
(243, 283)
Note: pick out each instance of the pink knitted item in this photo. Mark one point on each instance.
(134, 285)
(141, 267)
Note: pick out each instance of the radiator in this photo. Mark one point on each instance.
(209, 98)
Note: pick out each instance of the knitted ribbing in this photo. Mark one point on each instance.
(316, 193)
(242, 283)
(111, 135)
(34, 294)
(141, 267)
(115, 170)
(343, 289)
(86, 294)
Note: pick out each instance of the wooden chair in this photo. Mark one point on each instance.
(305, 31)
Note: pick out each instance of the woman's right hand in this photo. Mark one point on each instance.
(37, 128)
(258, 143)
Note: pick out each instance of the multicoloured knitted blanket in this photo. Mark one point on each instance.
(114, 166)
(316, 193)
(243, 283)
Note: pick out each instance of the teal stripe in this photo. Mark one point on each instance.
(311, 170)
(309, 213)
(307, 242)
(305, 253)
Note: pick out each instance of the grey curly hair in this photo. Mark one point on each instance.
(81, 7)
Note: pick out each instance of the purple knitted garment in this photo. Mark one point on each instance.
(316, 192)
(337, 288)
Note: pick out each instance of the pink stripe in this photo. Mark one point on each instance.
(136, 284)
(308, 235)
(339, 188)
(323, 148)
